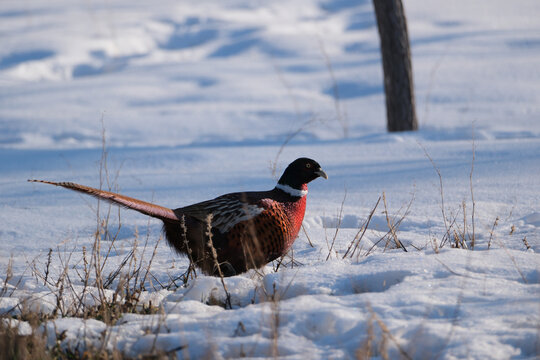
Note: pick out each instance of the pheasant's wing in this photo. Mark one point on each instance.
(226, 211)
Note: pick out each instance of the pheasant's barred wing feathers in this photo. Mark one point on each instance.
(227, 211)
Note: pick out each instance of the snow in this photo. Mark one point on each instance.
(197, 100)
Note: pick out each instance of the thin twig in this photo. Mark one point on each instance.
(440, 189)
(363, 230)
(213, 252)
(473, 239)
(387, 332)
(338, 226)
(342, 120)
(495, 223)
(526, 243)
(287, 140)
(392, 226)
(307, 236)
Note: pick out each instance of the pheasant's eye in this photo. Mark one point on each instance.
(308, 165)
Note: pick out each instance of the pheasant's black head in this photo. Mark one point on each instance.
(300, 172)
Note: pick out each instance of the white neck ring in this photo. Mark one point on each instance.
(291, 191)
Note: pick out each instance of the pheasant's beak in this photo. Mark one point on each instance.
(321, 173)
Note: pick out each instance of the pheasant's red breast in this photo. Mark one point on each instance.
(266, 236)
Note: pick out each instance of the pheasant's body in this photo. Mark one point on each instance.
(247, 230)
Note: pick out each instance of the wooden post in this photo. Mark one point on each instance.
(397, 67)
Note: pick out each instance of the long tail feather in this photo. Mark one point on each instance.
(144, 207)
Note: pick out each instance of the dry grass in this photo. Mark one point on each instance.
(376, 342)
(117, 292)
(81, 288)
(457, 234)
(390, 237)
(21, 340)
(338, 226)
(361, 232)
(217, 265)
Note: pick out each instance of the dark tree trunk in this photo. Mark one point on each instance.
(397, 67)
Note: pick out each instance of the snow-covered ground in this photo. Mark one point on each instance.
(197, 99)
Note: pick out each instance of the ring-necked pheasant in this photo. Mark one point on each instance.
(248, 229)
